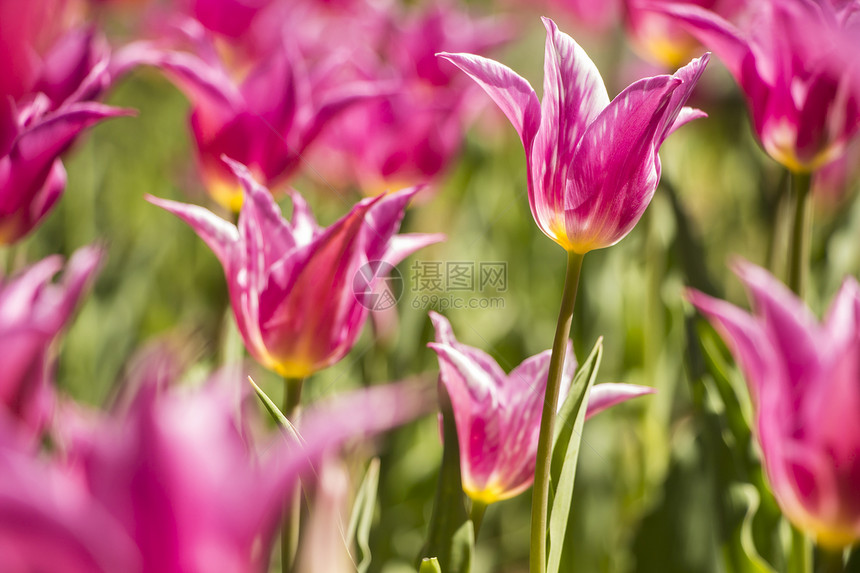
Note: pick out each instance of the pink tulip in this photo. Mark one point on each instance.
(498, 415)
(292, 283)
(804, 378)
(266, 121)
(170, 483)
(593, 165)
(417, 130)
(803, 110)
(660, 37)
(48, 521)
(33, 312)
(32, 177)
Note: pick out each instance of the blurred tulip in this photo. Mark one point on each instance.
(292, 283)
(661, 38)
(33, 311)
(804, 378)
(32, 177)
(498, 415)
(593, 164)
(418, 129)
(804, 111)
(231, 18)
(48, 521)
(323, 547)
(266, 120)
(170, 484)
(27, 33)
(592, 16)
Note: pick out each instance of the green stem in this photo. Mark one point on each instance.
(540, 494)
(798, 258)
(477, 515)
(831, 561)
(800, 560)
(293, 512)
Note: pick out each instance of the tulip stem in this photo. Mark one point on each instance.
(477, 515)
(540, 494)
(800, 558)
(798, 258)
(293, 511)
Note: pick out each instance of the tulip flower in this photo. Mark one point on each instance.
(803, 111)
(33, 312)
(592, 164)
(418, 129)
(267, 120)
(291, 283)
(803, 378)
(498, 415)
(170, 484)
(662, 38)
(32, 177)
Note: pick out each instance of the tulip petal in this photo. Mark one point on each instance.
(513, 94)
(690, 75)
(609, 394)
(38, 146)
(404, 244)
(445, 335)
(573, 96)
(788, 322)
(712, 31)
(616, 172)
(219, 235)
(744, 336)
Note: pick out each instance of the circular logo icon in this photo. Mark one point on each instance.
(377, 285)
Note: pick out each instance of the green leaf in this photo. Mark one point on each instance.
(362, 514)
(565, 452)
(448, 535)
(430, 565)
(754, 562)
(275, 413)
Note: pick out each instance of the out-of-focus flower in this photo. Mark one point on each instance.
(48, 521)
(597, 16)
(170, 484)
(28, 30)
(804, 110)
(323, 547)
(231, 18)
(264, 115)
(33, 311)
(498, 415)
(660, 38)
(593, 164)
(291, 283)
(32, 177)
(412, 135)
(804, 378)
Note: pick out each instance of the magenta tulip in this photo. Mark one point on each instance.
(592, 164)
(498, 415)
(170, 484)
(804, 379)
(417, 130)
(267, 120)
(33, 312)
(661, 38)
(32, 177)
(804, 111)
(292, 283)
